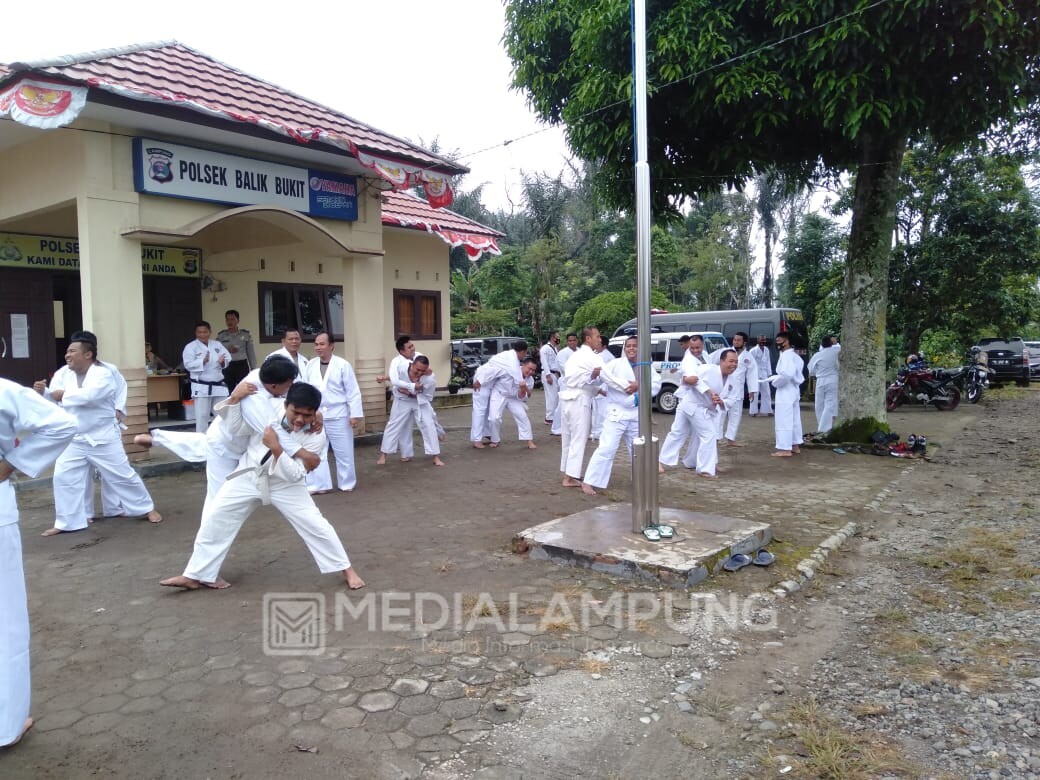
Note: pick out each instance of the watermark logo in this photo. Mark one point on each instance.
(294, 624)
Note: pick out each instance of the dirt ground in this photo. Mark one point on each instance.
(912, 651)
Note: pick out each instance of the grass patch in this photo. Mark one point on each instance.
(869, 710)
(830, 752)
(893, 615)
(930, 598)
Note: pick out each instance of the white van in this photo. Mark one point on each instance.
(666, 356)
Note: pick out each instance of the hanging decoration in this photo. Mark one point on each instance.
(41, 103)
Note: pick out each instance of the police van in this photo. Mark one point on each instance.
(666, 356)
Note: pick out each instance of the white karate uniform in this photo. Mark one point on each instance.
(599, 403)
(621, 421)
(479, 427)
(396, 432)
(744, 378)
(682, 425)
(207, 378)
(561, 360)
(550, 379)
(578, 388)
(824, 366)
(110, 506)
(41, 431)
(788, 420)
(763, 403)
(97, 445)
(416, 409)
(300, 361)
(340, 402)
(703, 452)
(279, 482)
(505, 394)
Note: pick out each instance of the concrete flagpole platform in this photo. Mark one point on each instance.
(601, 539)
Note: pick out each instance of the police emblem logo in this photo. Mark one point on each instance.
(160, 164)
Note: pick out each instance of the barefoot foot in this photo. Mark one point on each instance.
(143, 440)
(531, 445)
(587, 490)
(781, 454)
(354, 582)
(181, 582)
(154, 517)
(437, 461)
(478, 445)
(218, 584)
(570, 482)
(56, 531)
(381, 461)
(25, 730)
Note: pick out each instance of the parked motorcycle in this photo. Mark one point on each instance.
(461, 374)
(935, 388)
(972, 378)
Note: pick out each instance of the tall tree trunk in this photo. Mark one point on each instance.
(767, 275)
(861, 393)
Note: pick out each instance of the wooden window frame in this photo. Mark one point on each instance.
(417, 296)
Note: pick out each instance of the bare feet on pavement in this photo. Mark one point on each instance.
(587, 490)
(437, 461)
(382, 460)
(781, 454)
(189, 584)
(25, 730)
(478, 445)
(531, 445)
(354, 582)
(570, 482)
(154, 517)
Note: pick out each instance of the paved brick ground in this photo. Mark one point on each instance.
(133, 680)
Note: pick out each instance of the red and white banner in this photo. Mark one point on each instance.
(44, 104)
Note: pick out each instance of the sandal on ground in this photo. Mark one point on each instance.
(652, 534)
(763, 558)
(666, 531)
(736, 562)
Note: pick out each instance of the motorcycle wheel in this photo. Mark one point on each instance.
(974, 393)
(893, 399)
(949, 403)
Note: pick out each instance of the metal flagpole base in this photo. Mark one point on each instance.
(645, 509)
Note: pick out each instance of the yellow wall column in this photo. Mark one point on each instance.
(112, 292)
(364, 300)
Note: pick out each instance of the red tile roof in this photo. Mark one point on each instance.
(173, 73)
(402, 209)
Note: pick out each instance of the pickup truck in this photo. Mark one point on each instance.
(1008, 358)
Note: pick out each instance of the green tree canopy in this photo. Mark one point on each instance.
(798, 85)
(610, 310)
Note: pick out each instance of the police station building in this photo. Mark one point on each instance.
(146, 188)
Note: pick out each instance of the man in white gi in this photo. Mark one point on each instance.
(221, 447)
(88, 391)
(205, 359)
(745, 377)
(562, 356)
(482, 386)
(682, 428)
(788, 420)
(599, 403)
(416, 403)
(621, 380)
(510, 392)
(578, 386)
(269, 475)
(824, 366)
(33, 433)
(341, 412)
(291, 341)
(762, 405)
(397, 377)
(550, 375)
(710, 396)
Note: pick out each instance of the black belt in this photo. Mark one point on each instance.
(208, 384)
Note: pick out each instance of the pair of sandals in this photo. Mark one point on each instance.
(655, 533)
(737, 562)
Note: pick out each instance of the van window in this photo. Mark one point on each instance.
(710, 326)
(756, 329)
(490, 346)
(730, 330)
(658, 351)
(712, 343)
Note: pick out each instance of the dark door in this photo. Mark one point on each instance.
(26, 326)
(171, 309)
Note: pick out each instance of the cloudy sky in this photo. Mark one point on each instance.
(414, 68)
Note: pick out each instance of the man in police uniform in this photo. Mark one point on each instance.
(239, 342)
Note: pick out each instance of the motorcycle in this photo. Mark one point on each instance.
(972, 379)
(920, 384)
(461, 374)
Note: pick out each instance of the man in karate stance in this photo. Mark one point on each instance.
(788, 420)
(268, 475)
(621, 419)
(682, 427)
(415, 400)
(341, 410)
(579, 385)
(88, 391)
(33, 433)
(511, 392)
(762, 404)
